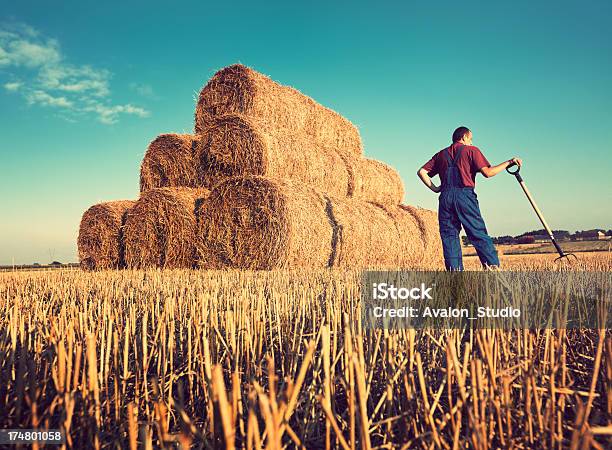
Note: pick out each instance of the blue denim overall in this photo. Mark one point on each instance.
(458, 206)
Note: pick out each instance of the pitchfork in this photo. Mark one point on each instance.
(519, 178)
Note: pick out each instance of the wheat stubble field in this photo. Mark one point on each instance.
(278, 359)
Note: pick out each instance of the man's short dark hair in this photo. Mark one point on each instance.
(459, 133)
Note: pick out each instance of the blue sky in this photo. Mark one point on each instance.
(84, 86)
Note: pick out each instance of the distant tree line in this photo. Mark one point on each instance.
(531, 237)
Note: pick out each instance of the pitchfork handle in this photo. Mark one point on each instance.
(513, 172)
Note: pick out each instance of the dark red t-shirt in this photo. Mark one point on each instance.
(470, 162)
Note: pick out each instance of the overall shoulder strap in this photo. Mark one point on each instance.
(449, 161)
(459, 149)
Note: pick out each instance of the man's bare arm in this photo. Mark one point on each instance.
(489, 172)
(422, 173)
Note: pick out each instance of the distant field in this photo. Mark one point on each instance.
(598, 260)
(570, 246)
(20, 267)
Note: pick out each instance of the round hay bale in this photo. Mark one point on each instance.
(160, 228)
(428, 224)
(374, 181)
(375, 236)
(100, 232)
(259, 223)
(169, 162)
(240, 89)
(236, 145)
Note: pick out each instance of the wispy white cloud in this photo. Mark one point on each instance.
(109, 114)
(22, 52)
(51, 81)
(12, 86)
(75, 79)
(45, 99)
(146, 90)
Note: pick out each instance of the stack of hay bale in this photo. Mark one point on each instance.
(270, 179)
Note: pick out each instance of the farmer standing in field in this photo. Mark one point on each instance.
(457, 167)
